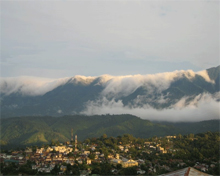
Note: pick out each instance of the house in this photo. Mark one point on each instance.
(80, 161)
(47, 170)
(169, 137)
(34, 167)
(52, 166)
(40, 151)
(181, 164)
(126, 150)
(65, 159)
(102, 155)
(140, 161)
(48, 158)
(204, 169)
(115, 161)
(113, 170)
(152, 169)
(166, 167)
(117, 156)
(60, 149)
(212, 165)
(96, 156)
(20, 157)
(147, 143)
(86, 152)
(3, 155)
(110, 156)
(97, 153)
(40, 169)
(129, 163)
(28, 150)
(72, 162)
(88, 161)
(139, 171)
(22, 161)
(121, 147)
(8, 156)
(49, 149)
(85, 172)
(92, 148)
(188, 171)
(162, 150)
(152, 147)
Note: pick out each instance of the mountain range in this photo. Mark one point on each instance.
(26, 96)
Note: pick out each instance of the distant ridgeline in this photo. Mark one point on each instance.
(79, 94)
(39, 130)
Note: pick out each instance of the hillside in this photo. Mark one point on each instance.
(38, 130)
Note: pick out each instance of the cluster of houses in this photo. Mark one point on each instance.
(45, 159)
(203, 167)
(15, 157)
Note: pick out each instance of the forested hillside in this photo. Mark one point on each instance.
(38, 130)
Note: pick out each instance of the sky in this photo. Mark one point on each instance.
(55, 39)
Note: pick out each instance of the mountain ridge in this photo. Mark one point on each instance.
(77, 94)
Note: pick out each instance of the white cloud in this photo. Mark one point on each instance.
(202, 107)
(114, 86)
(205, 75)
(120, 86)
(82, 79)
(29, 85)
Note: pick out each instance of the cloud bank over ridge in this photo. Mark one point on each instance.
(146, 96)
(30, 86)
(113, 85)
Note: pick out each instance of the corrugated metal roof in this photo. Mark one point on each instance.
(188, 171)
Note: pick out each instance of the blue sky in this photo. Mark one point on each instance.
(57, 39)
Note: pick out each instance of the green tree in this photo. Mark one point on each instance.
(104, 136)
(55, 170)
(92, 156)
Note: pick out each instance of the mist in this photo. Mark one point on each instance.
(202, 107)
(34, 86)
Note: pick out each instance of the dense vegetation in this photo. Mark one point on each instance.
(41, 130)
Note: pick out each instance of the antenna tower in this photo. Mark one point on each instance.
(76, 143)
(71, 135)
